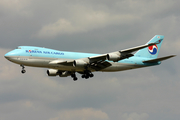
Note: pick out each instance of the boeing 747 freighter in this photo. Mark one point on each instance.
(65, 63)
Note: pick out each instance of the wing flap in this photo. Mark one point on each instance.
(158, 59)
(100, 65)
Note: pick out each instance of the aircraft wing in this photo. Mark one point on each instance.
(119, 55)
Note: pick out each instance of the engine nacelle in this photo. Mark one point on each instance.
(115, 56)
(52, 72)
(79, 63)
(64, 74)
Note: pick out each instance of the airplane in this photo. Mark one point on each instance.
(64, 63)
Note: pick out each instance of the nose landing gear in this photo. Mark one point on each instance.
(23, 70)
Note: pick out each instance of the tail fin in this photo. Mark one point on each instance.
(151, 51)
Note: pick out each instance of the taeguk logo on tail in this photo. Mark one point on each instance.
(153, 49)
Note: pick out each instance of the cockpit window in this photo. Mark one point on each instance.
(18, 48)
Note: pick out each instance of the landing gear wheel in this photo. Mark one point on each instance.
(83, 76)
(91, 75)
(23, 71)
(75, 78)
(86, 76)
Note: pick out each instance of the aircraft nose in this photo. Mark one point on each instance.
(7, 56)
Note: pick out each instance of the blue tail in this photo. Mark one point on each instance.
(151, 51)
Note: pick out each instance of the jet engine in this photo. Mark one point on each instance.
(115, 56)
(52, 72)
(79, 63)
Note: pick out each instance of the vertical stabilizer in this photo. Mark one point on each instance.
(151, 51)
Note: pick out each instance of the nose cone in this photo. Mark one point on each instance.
(10, 54)
(7, 56)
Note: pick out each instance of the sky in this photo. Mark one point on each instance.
(93, 26)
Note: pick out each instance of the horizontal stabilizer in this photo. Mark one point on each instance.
(158, 59)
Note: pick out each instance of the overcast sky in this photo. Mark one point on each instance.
(94, 26)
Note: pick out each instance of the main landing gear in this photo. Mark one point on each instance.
(87, 74)
(74, 76)
(23, 70)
